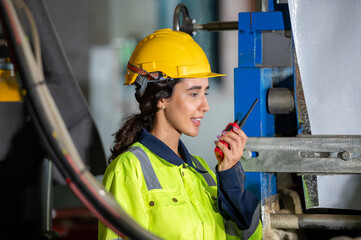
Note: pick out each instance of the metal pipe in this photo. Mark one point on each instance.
(217, 26)
(47, 195)
(280, 101)
(315, 221)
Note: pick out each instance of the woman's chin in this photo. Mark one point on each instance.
(192, 134)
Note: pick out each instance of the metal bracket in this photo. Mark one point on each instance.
(304, 154)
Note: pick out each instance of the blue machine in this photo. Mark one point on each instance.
(252, 80)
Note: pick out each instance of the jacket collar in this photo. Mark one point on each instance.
(162, 150)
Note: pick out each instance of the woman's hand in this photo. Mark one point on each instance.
(236, 139)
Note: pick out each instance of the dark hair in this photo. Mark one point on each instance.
(131, 128)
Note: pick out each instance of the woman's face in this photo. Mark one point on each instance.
(187, 106)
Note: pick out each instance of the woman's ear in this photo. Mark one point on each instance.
(161, 103)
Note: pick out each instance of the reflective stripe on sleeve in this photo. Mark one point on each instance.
(232, 229)
(254, 224)
(148, 171)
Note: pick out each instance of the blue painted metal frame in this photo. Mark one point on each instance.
(250, 27)
(252, 81)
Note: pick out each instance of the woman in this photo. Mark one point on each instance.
(169, 192)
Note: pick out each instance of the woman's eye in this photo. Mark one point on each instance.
(195, 94)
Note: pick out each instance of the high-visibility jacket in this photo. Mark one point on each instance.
(171, 201)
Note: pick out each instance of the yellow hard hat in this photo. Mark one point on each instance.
(174, 54)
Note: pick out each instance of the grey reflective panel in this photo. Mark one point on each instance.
(210, 181)
(148, 171)
(254, 224)
(231, 228)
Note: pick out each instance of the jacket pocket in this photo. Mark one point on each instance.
(167, 209)
(160, 198)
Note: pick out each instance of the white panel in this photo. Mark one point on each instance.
(339, 191)
(327, 38)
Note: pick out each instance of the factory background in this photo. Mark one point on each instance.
(98, 37)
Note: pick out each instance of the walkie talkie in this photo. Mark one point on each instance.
(237, 124)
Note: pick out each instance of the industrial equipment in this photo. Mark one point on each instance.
(51, 124)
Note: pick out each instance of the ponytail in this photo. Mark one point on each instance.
(131, 129)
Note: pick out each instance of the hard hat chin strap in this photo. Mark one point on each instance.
(140, 71)
(142, 82)
(144, 78)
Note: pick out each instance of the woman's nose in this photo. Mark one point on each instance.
(205, 106)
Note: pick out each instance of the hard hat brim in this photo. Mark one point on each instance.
(131, 80)
(204, 75)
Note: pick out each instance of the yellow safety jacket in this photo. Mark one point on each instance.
(170, 201)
